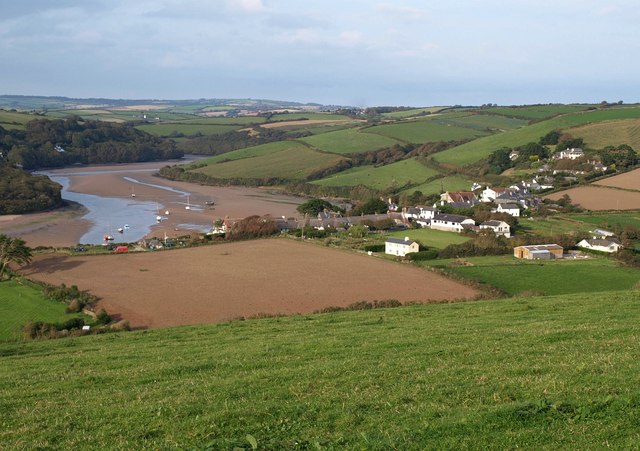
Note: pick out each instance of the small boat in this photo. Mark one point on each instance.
(120, 230)
(166, 212)
(132, 193)
(126, 226)
(209, 202)
(108, 238)
(188, 206)
(158, 218)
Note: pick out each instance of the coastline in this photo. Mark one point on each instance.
(65, 226)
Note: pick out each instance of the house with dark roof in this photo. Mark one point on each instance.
(400, 247)
(451, 223)
(508, 208)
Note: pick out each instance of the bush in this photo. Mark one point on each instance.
(103, 317)
(74, 306)
(429, 254)
(374, 248)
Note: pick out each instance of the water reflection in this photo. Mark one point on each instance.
(108, 214)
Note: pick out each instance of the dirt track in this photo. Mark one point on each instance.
(222, 282)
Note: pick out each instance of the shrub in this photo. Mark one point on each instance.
(103, 317)
(74, 306)
(429, 254)
(374, 248)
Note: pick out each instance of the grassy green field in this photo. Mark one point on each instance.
(514, 276)
(431, 238)
(296, 161)
(424, 131)
(553, 224)
(483, 121)
(248, 152)
(481, 148)
(244, 120)
(412, 112)
(535, 373)
(609, 219)
(537, 112)
(169, 128)
(448, 183)
(348, 141)
(23, 302)
(14, 120)
(381, 177)
(609, 133)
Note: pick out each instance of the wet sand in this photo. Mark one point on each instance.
(64, 227)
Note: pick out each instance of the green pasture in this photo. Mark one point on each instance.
(295, 162)
(438, 239)
(21, 302)
(168, 128)
(242, 120)
(609, 133)
(14, 119)
(385, 177)
(514, 276)
(536, 112)
(424, 131)
(483, 121)
(249, 152)
(533, 373)
(349, 141)
(447, 183)
(552, 225)
(412, 112)
(481, 148)
(608, 220)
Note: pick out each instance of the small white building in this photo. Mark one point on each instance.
(490, 194)
(451, 223)
(569, 154)
(510, 209)
(400, 247)
(603, 245)
(500, 228)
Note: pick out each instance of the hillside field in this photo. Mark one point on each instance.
(629, 180)
(438, 239)
(537, 112)
(296, 161)
(517, 277)
(535, 373)
(351, 140)
(425, 131)
(609, 133)
(599, 198)
(381, 177)
(20, 302)
(481, 148)
(447, 183)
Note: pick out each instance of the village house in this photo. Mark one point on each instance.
(510, 209)
(569, 154)
(451, 223)
(538, 252)
(608, 245)
(419, 212)
(462, 197)
(500, 228)
(400, 247)
(490, 194)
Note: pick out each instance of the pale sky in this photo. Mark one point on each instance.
(361, 53)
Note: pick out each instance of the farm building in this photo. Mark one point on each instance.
(609, 245)
(451, 223)
(538, 252)
(500, 228)
(399, 247)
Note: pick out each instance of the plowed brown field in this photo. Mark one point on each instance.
(628, 180)
(600, 198)
(221, 282)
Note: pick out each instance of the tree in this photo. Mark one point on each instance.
(12, 250)
(314, 206)
(550, 138)
(370, 207)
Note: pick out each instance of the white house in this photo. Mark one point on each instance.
(490, 194)
(510, 209)
(451, 223)
(609, 245)
(569, 154)
(500, 228)
(399, 247)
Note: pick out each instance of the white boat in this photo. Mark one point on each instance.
(120, 230)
